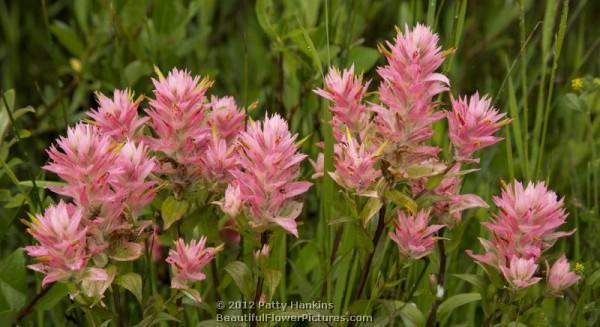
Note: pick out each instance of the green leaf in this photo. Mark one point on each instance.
(456, 301)
(173, 210)
(402, 200)
(410, 314)
(472, 279)
(363, 58)
(370, 209)
(165, 18)
(135, 70)
(272, 279)
(45, 184)
(68, 38)
(13, 285)
(133, 283)
(57, 292)
(263, 10)
(242, 277)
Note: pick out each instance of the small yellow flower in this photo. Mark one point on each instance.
(579, 268)
(75, 64)
(577, 84)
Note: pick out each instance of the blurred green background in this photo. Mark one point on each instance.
(538, 60)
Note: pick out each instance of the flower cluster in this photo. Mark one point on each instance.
(266, 181)
(114, 166)
(524, 227)
(386, 143)
(188, 261)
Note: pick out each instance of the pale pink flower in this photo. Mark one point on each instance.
(520, 272)
(94, 283)
(346, 91)
(269, 167)
(409, 84)
(118, 117)
(218, 160)
(86, 161)
(232, 202)
(177, 114)
(188, 261)
(525, 225)
(225, 117)
(318, 166)
(560, 276)
(61, 252)
(132, 185)
(472, 124)
(355, 166)
(413, 234)
(449, 210)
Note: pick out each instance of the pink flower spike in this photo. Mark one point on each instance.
(346, 91)
(86, 161)
(413, 234)
(61, 252)
(177, 113)
(225, 117)
(188, 261)
(267, 174)
(520, 272)
(354, 167)
(133, 186)
(118, 117)
(472, 124)
(218, 161)
(560, 276)
(231, 203)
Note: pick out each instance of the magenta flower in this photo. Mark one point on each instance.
(472, 124)
(269, 167)
(520, 272)
(354, 167)
(86, 161)
(133, 186)
(177, 113)
(413, 234)
(560, 276)
(118, 117)
(188, 261)
(61, 252)
(226, 118)
(346, 91)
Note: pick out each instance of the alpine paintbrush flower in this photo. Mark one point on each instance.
(406, 116)
(225, 118)
(524, 227)
(218, 160)
(560, 277)
(118, 117)
(177, 113)
(231, 203)
(61, 252)
(346, 91)
(132, 185)
(269, 168)
(413, 234)
(85, 160)
(472, 124)
(519, 272)
(355, 167)
(188, 262)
